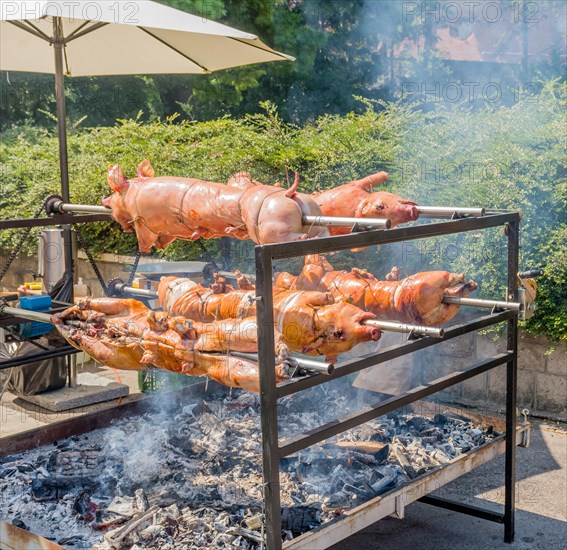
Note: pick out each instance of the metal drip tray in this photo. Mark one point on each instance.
(158, 270)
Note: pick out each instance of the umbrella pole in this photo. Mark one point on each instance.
(58, 45)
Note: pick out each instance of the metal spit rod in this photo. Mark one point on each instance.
(341, 221)
(449, 212)
(26, 314)
(308, 364)
(85, 208)
(151, 294)
(475, 302)
(249, 276)
(395, 326)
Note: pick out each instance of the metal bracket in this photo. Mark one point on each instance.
(361, 228)
(414, 335)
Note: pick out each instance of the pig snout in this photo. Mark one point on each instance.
(367, 332)
(373, 333)
(403, 211)
(412, 212)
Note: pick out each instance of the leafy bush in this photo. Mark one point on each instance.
(512, 158)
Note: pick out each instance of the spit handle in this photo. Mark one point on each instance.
(530, 273)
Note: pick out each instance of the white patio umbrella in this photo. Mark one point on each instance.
(93, 38)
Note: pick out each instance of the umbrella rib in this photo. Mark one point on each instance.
(81, 27)
(175, 49)
(287, 57)
(76, 34)
(33, 31)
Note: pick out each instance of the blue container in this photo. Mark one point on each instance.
(35, 303)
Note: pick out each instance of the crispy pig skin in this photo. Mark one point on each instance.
(415, 299)
(124, 334)
(313, 323)
(162, 209)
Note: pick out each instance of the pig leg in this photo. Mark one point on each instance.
(163, 241)
(112, 306)
(146, 237)
(310, 277)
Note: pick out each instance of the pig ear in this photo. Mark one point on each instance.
(145, 169)
(116, 179)
(369, 182)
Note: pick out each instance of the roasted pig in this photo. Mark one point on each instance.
(162, 209)
(416, 299)
(124, 334)
(313, 323)
(356, 200)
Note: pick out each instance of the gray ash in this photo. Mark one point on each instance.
(192, 479)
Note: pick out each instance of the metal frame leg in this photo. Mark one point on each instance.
(511, 384)
(268, 400)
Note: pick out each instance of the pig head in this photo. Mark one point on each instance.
(356, 199)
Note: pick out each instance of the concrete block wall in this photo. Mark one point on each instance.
(542, 373)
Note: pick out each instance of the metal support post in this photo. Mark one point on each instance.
(511, 385)
(58, 47)
(268, 399)
(72, 365)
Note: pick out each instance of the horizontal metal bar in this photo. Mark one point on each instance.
(530, 273)
(398, 234)
(394, 326)
(231, 274)
(26, 314)
(491, 304)
(307, 364)
(468, 509)
(448, 211)
(36, 357)
(140, 292)
(354, 365)
(63, 219)
(301, 441)
(321, 367)
(86, 208)
(343, 221)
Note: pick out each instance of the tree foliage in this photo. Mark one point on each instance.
(511, 158)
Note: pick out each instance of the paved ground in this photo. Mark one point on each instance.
(17, 415)
(541, 500)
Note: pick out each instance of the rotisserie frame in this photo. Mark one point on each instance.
(274, 450)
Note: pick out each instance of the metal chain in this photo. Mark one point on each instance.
(85, 248)
(14, 254)
(134, 268)
(92, 261)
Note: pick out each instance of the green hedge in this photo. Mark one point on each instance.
(511, 158)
